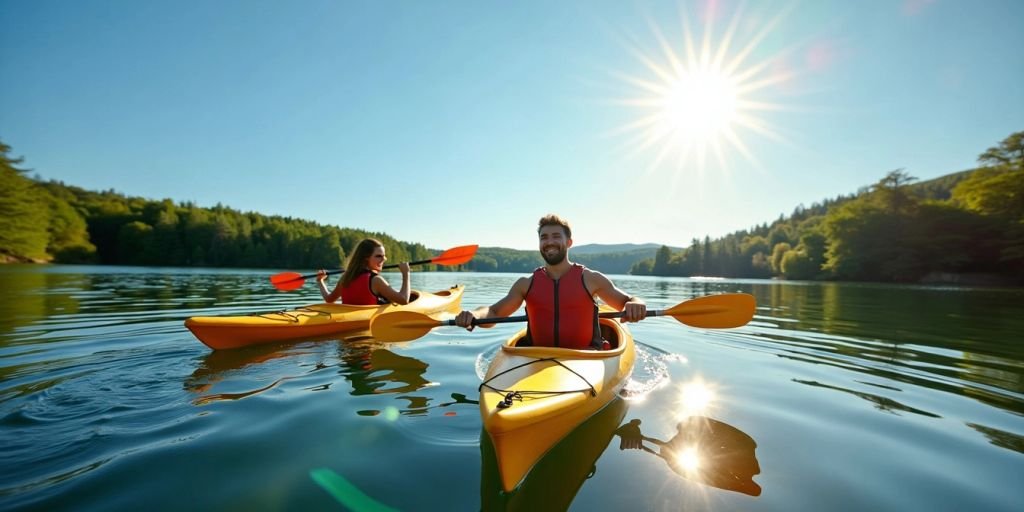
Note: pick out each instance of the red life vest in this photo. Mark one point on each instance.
(561, 313)
(359, 293)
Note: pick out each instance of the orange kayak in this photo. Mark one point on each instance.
(227, 332)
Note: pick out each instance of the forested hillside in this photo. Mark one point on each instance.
(51, 221)
(970, 222)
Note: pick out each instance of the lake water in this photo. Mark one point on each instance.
(836, 397)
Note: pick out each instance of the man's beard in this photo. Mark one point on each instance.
(555, 258)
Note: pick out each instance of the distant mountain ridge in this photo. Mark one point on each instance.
(607, 258)
(616, 248)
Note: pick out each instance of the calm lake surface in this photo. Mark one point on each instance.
(836, 397)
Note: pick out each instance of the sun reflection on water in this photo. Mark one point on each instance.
(688, 459)
(695, 398)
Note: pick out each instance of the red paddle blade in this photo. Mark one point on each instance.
(456, 255)
(287, 281)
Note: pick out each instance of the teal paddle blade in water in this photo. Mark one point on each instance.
(346, 493)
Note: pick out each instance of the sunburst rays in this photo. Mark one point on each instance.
(697, 102)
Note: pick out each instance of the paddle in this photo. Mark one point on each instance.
(712, 312)
(287, 281)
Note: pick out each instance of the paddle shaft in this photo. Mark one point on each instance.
(522, 318)
(711, 312)
(340, 270)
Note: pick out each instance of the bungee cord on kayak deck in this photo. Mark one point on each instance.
(293, 316)
(511, 394)
(650, 372)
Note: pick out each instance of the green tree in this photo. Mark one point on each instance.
(797, 265)
(957, 240)
(778, 252)
(643, 267)
(223, 248)
(892, 191)
(814, 245)
(694, 263)
(68, 234)
(24, 219)
(484, 264)
(761, 266)
(167, 244)
(327, 252)
(752, 245)
(135, 244)
(871, 237)
(1009, 153)
(780, 233)
(997, 192)
(755, 251)
(661, 259)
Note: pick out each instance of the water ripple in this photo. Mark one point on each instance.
(100, 383)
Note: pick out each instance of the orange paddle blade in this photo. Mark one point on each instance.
(715, 311)
(401, 325)
(456, 255)
(287, 281)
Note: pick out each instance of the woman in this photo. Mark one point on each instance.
(361, 284)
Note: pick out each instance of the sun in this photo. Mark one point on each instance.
(700, 105)
(696, 103)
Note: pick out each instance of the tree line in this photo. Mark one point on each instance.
(51, 221)
(896, 230)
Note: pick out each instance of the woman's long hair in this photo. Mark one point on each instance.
(357, 261)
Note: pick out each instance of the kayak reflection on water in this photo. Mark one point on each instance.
(703, 450)
(370, 368)
(374, 371)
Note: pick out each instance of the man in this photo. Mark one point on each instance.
(560, 295)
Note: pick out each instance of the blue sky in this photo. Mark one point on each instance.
(450, 123)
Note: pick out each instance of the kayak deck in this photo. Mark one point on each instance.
(549, 391)
(228, 332)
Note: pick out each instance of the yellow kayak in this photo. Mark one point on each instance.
(532, 397)
(226, 332)
(557, 477)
